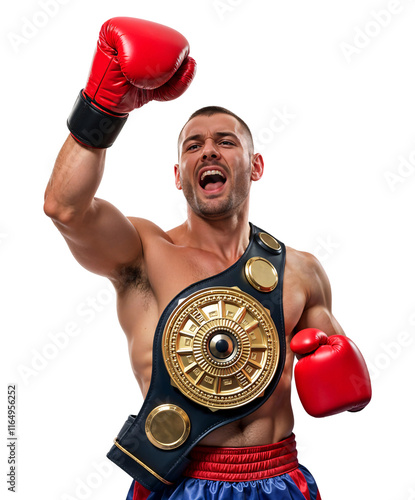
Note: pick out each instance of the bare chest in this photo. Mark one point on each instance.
(168, 274)
(180, 270)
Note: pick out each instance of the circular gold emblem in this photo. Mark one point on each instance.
(221, 347)
(167, 426)
(270, 242)
(261, 274)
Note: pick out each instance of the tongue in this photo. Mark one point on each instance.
(213, 185)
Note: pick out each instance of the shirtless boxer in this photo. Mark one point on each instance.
(149, 266)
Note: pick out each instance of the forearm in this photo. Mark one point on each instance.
(74, 181)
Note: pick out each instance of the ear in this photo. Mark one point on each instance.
(257, 167)
(177, 177)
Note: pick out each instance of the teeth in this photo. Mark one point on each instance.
(211, 172)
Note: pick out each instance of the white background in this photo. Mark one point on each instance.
(339, 183)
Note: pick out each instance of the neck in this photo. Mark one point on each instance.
(226, 237)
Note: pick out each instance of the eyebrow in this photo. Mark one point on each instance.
(199, 137)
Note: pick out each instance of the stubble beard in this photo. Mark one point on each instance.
(213, 208)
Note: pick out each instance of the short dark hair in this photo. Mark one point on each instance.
(215, 110)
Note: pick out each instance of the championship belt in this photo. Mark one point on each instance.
(218, 354)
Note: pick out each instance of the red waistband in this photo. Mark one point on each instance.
(243, 464)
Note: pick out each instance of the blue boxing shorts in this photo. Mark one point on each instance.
(252, 473)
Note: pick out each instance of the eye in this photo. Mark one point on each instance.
(192, 147)
(225, 142)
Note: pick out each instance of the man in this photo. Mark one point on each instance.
(149, 266)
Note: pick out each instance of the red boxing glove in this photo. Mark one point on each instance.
(135, 62)
(331, 375)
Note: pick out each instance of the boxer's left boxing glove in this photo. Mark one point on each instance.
(136, 61)
(331, 375)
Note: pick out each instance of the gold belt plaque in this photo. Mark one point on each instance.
(167, 426)
(221, 347)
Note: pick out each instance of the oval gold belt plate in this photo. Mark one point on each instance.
(220, 347)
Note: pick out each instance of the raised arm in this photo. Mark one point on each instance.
(98, 235)
(135, 62)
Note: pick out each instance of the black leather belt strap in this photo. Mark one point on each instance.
(153, 467)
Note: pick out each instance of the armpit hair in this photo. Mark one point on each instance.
(133, 277)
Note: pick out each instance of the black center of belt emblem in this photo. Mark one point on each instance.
(221, 345)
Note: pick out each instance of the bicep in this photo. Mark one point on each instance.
(104, 240)
(317, 312)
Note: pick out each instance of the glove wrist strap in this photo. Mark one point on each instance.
(94, 126)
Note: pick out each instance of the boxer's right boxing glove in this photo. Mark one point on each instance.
(135, 62)
(331, 374)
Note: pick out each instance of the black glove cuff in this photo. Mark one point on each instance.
(93, 126)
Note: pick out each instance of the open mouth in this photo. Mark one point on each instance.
(213, 179)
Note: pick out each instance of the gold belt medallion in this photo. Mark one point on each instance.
(221, 347)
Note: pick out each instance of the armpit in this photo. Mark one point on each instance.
(132, 277)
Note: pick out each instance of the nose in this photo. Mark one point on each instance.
(210, 151)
